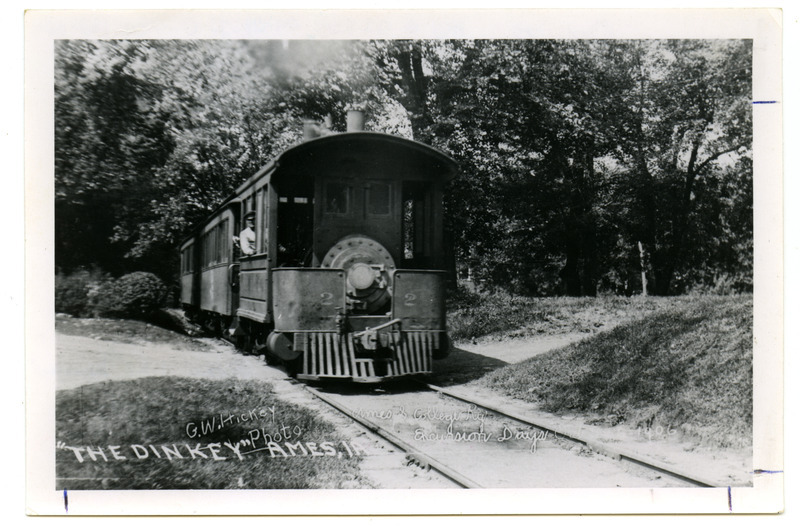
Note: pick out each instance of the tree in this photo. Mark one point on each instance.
(106, 143)
(149, 136)
(694, 123)
(528, 119)
(571, 152)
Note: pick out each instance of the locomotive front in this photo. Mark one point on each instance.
(357, 286)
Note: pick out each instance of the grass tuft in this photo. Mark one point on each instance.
(502, 315)
(128, 331)
(165, 411)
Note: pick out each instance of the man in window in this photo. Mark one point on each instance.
(247, 237)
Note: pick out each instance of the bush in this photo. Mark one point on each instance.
(74, 293)
(137, 295)
(722, 285)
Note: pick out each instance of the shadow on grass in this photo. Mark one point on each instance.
(350, 388)
(461, 367)
(173, 321)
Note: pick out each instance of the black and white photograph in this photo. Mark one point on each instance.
(392, 263)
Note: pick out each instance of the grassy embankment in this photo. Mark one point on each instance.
(144, 417)
(165, 331)
(684, 364)
(500, 315)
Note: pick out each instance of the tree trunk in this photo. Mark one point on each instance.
(579, 274)
(644, 269)
(588, 221)
(570, 277)
(675, 251)
(409, 58)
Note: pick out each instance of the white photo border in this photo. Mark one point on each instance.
(762, 25)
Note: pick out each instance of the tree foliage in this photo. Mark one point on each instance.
(572, 153)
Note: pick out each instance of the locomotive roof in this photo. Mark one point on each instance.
(430, 162)
(314, 155)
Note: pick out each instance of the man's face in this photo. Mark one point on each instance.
(250, 222)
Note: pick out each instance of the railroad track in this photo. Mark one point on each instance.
(455, 474)
(610, 451)
(412, 452)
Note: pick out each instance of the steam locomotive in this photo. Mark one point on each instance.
(347, 276)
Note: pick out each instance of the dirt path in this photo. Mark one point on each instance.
(518, 350)
(81, 360)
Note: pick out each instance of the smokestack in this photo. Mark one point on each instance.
(355, 120)
(310, 129)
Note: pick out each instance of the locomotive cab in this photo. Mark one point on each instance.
(343, 274)
(366, 300)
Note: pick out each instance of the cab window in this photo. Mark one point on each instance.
(337, 198)
(379, 199)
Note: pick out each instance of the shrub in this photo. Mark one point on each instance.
(74, 292)
(136, 295)
(723, 284)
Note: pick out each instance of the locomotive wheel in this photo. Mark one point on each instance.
(243, 338)
(240, 341)
(260, 344)
(213, 326)
(251, 338)
(293, 367)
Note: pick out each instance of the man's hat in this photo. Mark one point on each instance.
(250, 215)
